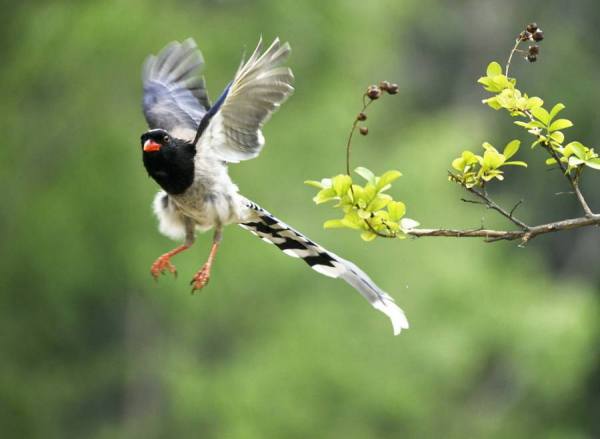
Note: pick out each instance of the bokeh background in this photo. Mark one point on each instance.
(504, 342)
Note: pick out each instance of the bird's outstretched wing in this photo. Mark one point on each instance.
(174, 92)
(259, 87)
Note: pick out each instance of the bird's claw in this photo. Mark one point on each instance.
(201, 278)
(162, 265)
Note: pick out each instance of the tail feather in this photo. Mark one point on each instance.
(293, 243)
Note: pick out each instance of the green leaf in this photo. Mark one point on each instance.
(511, 148)
(334, 224)
(396, 210)
(593, 163)
(560, 124)
(556, 109)
(494, 69)
(341, 183)
(459, 164)
(314, 183)
(363, 214)
(492, 159)
(492, 102)
(387, 178)
(365, 173)
(534, 102)
(516, 163)
(378, 203)
(576, 148)
(324, 195)
(367, 235)
(541, 114)
(551, 161)
(557, 137)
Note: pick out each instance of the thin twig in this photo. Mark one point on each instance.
(512, 52)
(491, 204)
(573, 181)
(352, 130)
(515, 207)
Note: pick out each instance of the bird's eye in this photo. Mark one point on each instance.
(166, 139)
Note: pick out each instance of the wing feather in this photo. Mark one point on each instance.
(174, 92)
(259, 87)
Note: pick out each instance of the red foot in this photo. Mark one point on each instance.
(201, 278)
(162, 264)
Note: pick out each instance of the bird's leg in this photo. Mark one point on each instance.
(202, 277)
(163, 262)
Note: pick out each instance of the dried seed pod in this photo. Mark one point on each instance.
(532, 27)
(373, 92)
(361, 116)
(531, 58)
(534, 50)
(393, 89)
(364, 131)
(538, 35)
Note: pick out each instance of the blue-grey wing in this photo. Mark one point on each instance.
(174, 91)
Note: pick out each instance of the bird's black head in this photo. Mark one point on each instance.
(154, 140)
(168, 160)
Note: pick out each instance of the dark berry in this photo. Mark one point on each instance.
(384, 85)
(373, 92)
(538, 35)
(364, 131)
(531, 58)
(532, 27)
(392, 89)
(361, 116)
(534, 50)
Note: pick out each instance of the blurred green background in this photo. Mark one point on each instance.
(504, 341)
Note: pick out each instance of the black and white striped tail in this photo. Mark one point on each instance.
(295, 244)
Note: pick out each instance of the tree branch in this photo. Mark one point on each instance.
(524, 235)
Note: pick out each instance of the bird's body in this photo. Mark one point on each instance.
(190, 144)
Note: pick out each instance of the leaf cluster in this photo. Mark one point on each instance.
(540, 122)
(476, 170)
(366, 207)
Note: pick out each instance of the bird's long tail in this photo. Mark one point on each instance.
(293, 243)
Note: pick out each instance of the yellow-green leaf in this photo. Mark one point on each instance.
(387, 178)
(341, 183)
(493, 69)
(511, 148)
(367, 235)
(541, 114)
(324, 195)
(516, 163)
(560, 124)
(365, 173)
(556, 109)
(314, 183)
(396, 210)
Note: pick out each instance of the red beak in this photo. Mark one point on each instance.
(151, 146)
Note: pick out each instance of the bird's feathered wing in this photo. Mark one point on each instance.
(174, 92)
(295, 244)
(259, 87)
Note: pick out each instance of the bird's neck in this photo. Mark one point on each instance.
(172, 167)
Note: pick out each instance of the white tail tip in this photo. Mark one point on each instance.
(394, 312)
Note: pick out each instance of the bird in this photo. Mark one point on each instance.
(191, 142)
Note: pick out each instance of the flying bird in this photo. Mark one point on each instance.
(190, 144)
